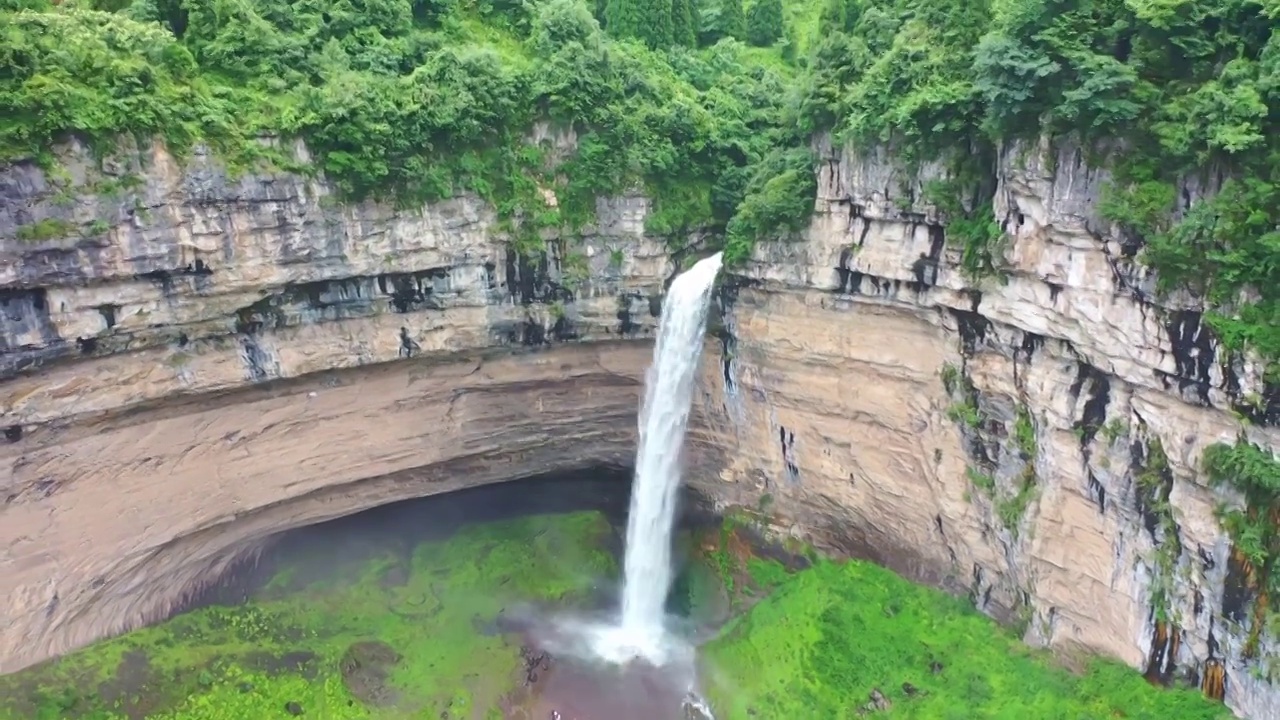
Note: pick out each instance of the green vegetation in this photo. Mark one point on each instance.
(416, 100)
(384, 634)
(764, 22)
(1009, 505)
(1154, 484)
(832, 636)
(1012, 508)
(316, 643)
(45, 230)
(965, 410)
(1024, 433)
(728, 550)
(421, 99)
(1114, 430)
(1157, 90)
(1255, 528)
(981, 480)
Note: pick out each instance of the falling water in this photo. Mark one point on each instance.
(663, 417)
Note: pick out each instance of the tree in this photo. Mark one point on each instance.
(624, 18)
(764, 22)
(731, 20)
(684, 27)
(646, 20)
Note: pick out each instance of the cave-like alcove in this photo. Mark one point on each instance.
(429, 606)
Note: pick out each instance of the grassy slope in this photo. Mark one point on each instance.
(833, 633)
(211, 664)
(814, 644)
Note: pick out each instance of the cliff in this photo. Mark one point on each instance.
(193, 361)
(1033, 440)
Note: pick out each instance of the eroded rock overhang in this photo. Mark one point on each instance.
(112, 523)
(190, 362)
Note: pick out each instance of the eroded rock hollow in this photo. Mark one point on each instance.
(233, 358)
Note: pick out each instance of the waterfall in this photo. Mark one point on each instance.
(663, 418)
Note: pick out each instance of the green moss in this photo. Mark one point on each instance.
(981, 480)
(1254, 528)
(49, 229)
(1114, 430)
(223, 663)
(1024, 433)
(1154, 484)
(950, 375)
(730, 551)
(830, 635)
(964, 406)
(1012, 508)
(965, 413)
(964, 204)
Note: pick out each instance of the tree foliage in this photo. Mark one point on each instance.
(411, 100)
(422, 98)
(764, 22)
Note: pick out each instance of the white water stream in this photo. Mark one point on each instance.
(664, 416)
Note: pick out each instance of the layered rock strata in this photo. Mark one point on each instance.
(1033, 440)
(193, 361)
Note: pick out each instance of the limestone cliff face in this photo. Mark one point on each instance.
(146, 305)
(1003, 439)
(190, 362)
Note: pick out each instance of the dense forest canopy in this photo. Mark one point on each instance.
(708, 106)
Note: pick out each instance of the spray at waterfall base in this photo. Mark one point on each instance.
(641, 632)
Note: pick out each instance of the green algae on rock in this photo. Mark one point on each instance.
(392, 636)
(843, 640)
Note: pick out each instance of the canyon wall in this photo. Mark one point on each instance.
(1032, 440)
(191, 361)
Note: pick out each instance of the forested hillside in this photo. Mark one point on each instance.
(708, 106)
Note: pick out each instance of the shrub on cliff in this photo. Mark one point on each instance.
(101, 75)
(382, 90)
(409, 100)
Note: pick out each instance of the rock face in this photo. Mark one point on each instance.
(1034, 442)
(191, 362)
